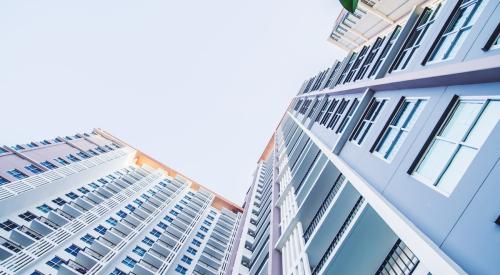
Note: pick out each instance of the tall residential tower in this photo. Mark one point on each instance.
(91, 204)
(387, 162)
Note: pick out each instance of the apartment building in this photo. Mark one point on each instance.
(388, 161)
(91, 204)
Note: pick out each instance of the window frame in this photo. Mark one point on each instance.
(353, 138)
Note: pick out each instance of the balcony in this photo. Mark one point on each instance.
(400, 260)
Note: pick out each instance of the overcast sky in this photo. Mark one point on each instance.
(198, 84)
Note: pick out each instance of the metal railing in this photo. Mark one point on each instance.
(400, 261)
(339, 235)
(321, 211)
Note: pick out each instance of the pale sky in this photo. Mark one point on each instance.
(199, 85)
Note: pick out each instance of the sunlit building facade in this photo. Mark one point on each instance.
(388, 161)
(91, 204)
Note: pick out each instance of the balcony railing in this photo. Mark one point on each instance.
(339, 235)
(400, 261)
(326, 203)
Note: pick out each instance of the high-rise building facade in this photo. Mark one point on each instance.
(91, 204)
(387, 162)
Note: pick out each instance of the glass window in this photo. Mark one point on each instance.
(139, 251)
(368, 120)
(346, 69)
(455, 145)
(155, 233)
(121, 214)
(62, 161)
(83, 155)
(28, 216)
(354, 70)
(55, 262)
(33, 169)
(457, 29)
(338, 114)
(73, 250)
(88, 238)
(2, 150)
(322, 111)
(48, 165)
(313, 109)
(162, 225)
(8, 225)
(73, 158)
(329, 112)
(191, 250)
(332, 75)
(117, 272)
(199, 235)
(369, 59)
(385, 51)
(112, 221)
(3, 180)
(44, 208)
(180, 269)
(17, 174)
(186, 259)
(93, 185)
(196, 242)
(83, 190)
(100, 229)
(45, 142)
(415, 37)
(148, 241)
(59, 201)
(129, 262)
(168, 219)
(397, 131)
(72, 195)
(348, 116)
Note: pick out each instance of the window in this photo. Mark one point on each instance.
(117, 272)
(210, 218)
(168, 219)
(8, 225)
(130, 207)
(138, 201)
(44, 208)
(155, 233)
(354, 70)
(17, 174)
(368, 120)
(72, 195)
(415, 37)
(83, 155)
(204, 229)
(313, 109)
(73, 158)
(28, 216)
(493, 42)
(338, 113)
(32, 145)
(33, 169)
(99, 149)
(68, 138)
(346, 68)
(45, 142)
(139, 251)
(121, 214)
(129, 262)
(73, 250)
(196, 242)
(322, 111)
(59, 201)
(456, 30)
(162, 225)
(148, 241)
(186, 259)
(399, 127)
(103, 181)
(55, 262)
(112, 221)
(88, 238)
(207, 223)
(48, 164)
(178, 207)
(329, 112)
(145, 197)
(17, 147)
(191, 251)
(2, 150)
(348, 116)
(385, 51)
(83, 190)
(100, 229)
(62, 161)
(36, 272)
(199, 235)
(3, 180)
(369, 59)
(456, 143)
(180, 269)
(173, 212)
(108, 147)
(93, 185)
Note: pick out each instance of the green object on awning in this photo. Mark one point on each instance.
(349, 5)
